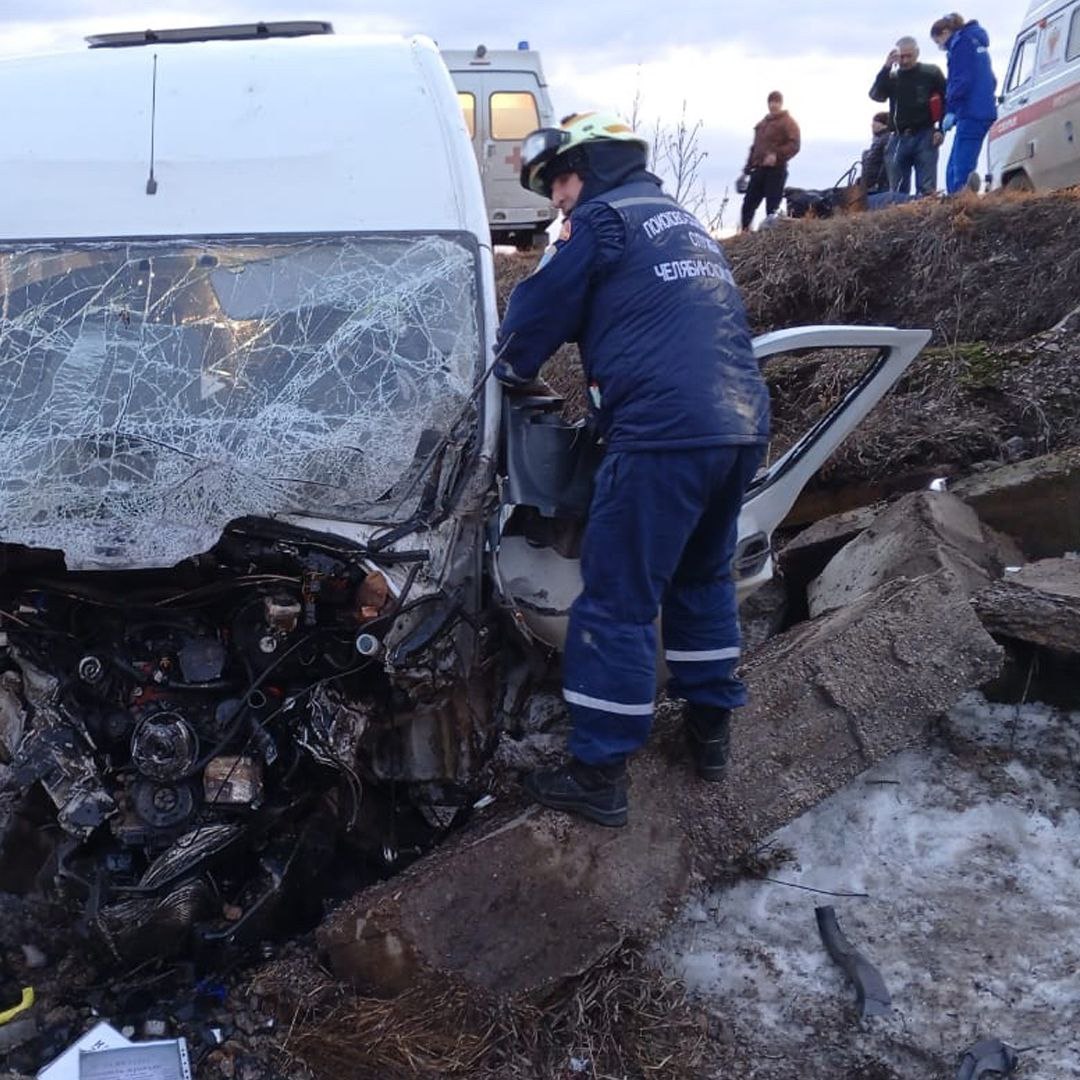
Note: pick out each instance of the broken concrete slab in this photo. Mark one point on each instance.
(1038, 603)
(833, 696)
(1035, 501)
(919, 534)
(529, 897)
(519, 901)
(805, 555)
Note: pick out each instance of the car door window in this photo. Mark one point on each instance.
(468, 111)
(1023, 64)
(1072, 49)
(513, 114)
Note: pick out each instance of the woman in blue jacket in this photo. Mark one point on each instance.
(970, 101)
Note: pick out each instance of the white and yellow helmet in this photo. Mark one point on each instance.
(542, 147)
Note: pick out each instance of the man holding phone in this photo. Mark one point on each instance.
(916, 95)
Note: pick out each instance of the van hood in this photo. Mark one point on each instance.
(154, 391)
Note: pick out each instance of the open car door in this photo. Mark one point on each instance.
(548, 464)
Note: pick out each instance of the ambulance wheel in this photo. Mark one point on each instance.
(1019, 182)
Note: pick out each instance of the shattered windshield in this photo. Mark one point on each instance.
(151, 392)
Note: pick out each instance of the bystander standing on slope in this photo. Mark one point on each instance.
(776, 142)
(915, 92)
(970, 102)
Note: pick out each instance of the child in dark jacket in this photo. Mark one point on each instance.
(970, 101)
(875, 174)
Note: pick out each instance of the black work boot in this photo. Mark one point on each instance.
(708, 731)
(596, 792)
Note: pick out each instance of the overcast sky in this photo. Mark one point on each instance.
(721, 59)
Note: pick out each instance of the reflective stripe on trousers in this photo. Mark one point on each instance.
(662, 527)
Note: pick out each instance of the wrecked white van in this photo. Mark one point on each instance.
(243, 471)
(262, 515)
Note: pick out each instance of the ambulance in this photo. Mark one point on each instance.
(504, 96)
(1035, 143)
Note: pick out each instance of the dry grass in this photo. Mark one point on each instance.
(621, 1019)
(998, 268)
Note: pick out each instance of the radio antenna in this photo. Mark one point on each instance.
(151, 183)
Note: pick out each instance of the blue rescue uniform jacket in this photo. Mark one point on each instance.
(970, 87)
(646, 293)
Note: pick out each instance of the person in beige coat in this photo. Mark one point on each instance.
(776, 142)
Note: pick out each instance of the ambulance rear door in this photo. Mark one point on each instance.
(501, 102)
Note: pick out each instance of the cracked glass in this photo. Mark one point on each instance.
(152, 392)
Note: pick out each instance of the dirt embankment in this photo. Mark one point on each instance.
(996, 269)
(997, 279)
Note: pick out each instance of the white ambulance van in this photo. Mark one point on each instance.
(503, 97)
(1035, 143)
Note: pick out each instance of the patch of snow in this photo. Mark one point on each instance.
(970, 854)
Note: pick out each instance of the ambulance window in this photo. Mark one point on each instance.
(1023, 64)
(1052, 44)
(1072, 50)
(513, 114)
(468, 110)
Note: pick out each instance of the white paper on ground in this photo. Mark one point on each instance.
(163, 1059)
(66, 1067)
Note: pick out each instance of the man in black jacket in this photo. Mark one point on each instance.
(916, 95)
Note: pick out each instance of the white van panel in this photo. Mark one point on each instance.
(540, 584)
(244, 138)
(1036, 140)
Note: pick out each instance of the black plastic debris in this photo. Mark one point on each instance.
(872, 996)
(987, 1057)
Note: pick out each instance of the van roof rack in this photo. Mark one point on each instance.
(233, 32)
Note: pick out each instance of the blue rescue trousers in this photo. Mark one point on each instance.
(662, 530)
(964, 157)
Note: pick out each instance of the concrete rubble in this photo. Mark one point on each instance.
(919, 534)
(1038, 603)
(805, 555)
(828, 699)
(833, 696)
(1035, 501)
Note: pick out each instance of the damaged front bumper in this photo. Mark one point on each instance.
(242, 628)
(203, 743)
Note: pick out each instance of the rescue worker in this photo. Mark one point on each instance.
(683, 412)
